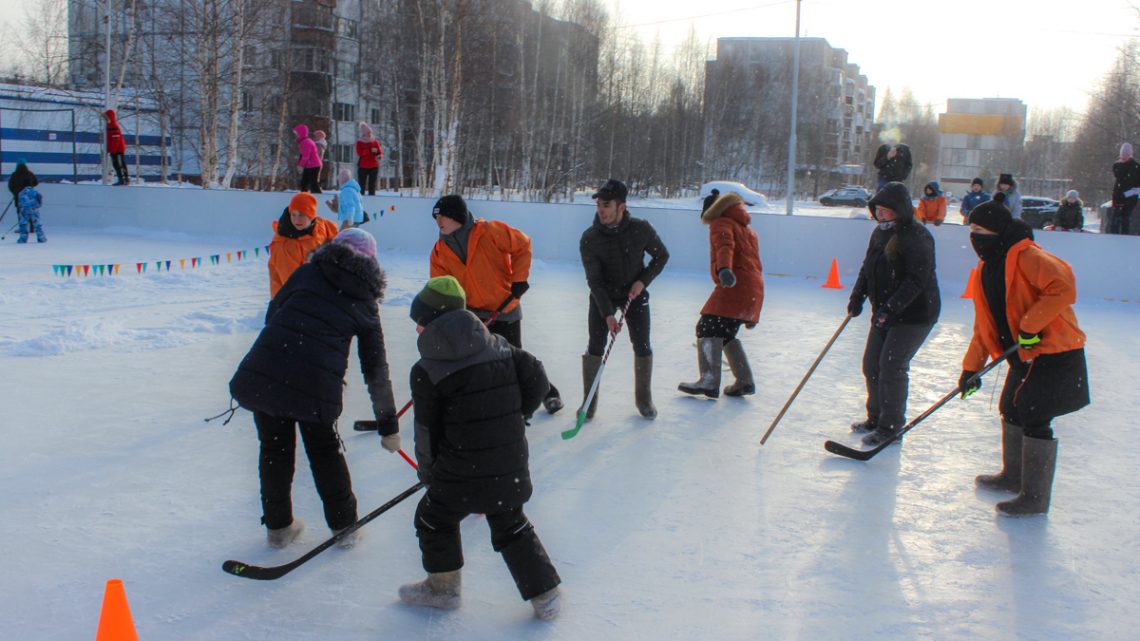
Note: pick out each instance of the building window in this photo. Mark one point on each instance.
(277, 59)
(344, 111)
(246, 101)
(346, 28)
(312, 59)
(342, 153)
(375, 115)
(313, 16)
(346, 70)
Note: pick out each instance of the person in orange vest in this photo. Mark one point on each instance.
(932, 206)
(295, 235)
(1024, 296)
(491, 261)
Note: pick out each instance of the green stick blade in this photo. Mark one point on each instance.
(571, 433)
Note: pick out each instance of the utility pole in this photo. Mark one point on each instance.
(106, 81)
(792, 128)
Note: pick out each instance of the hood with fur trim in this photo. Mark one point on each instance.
(720, 206)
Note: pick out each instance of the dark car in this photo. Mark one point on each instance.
(1037, 211)
(845, 196)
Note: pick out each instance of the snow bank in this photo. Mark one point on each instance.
(800, 246)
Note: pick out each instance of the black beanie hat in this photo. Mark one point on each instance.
(451, 206)
(442, 294)
(978, 182)
(1007, 179)
(991, 215)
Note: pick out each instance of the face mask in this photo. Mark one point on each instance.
(887, 225)
(986, 246)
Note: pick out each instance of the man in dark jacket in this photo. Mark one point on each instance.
(894, 164)
(21, 177)
(294, 374)
(898, 276)
(470, 390)
(613, 254)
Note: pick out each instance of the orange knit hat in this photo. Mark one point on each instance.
(304, 203)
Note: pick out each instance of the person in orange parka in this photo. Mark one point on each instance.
(932, 206)
(295, 235)
(116, 147)
(734, 263)
(491, 261)
(1024, 296)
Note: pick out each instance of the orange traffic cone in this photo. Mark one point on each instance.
(833, 276)
(115, 622)
(969, 293)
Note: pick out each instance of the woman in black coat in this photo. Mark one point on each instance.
(898, 276)
(294, 376)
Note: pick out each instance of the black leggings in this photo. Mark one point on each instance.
(636, 322)
(311, 179)
(367, 178)
(718, 327)
(119, 163)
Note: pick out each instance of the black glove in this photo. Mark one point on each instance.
(969, 382)
(726, 277)
(387, 425)
(519, 288)
(1028, 341)
(855, 307)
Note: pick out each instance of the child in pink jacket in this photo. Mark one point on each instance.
(309, 160)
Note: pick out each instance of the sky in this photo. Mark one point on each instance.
(1048, 53)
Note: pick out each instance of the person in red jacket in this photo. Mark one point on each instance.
(1024, 296)
(368, 155)
(738, 295)
(116, 147)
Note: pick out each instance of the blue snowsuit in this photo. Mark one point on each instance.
(30, 201)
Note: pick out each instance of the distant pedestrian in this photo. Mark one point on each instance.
(976, 196)
(308, 160)
(894, 164)
(1070, 215)
(932, 205)
(368, 155)
(709, 200)
(1008, 195)
(116, 147)
(898, 276)
(29, 214)
(21, 177)
(1125, 190)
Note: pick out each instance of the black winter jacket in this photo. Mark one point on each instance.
(1070, 215)
(898, 272)
(1127, 174)
(470, 391)
(895, 169)
(20, 178)
(614, 258)
(297, 365)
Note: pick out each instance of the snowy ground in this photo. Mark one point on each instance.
(682, 528)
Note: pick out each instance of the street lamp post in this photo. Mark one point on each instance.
(792, 127)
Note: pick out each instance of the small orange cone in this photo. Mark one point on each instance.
(115, 622)
(969, 293)
(833, 276)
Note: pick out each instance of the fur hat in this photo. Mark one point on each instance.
(1126, 150)
(991, 215)
(358, 241)
(979, 182)
(304, 203)
(613, 190)
(442, 294)
(1073, 193)
(451, 206)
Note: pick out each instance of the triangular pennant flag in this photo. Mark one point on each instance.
(182, 263)
(229, 257)
(86, 269)
(138, 267)
(110, 269)
(98, 270)
(55, 269)
(168, 265)
(158, 265)
(69, 268)
(256, 251)
(117, 268)
(267, 250)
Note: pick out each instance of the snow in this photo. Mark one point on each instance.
(679, 528)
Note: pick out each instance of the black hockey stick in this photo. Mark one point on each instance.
(864, 455)
(237, 568)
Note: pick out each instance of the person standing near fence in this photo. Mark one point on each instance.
(368, 155)
(1125, 190)
(308, 160)
(116, 147)
(21, 177)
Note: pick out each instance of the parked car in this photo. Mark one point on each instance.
(750, 197)
(845, 197)
(1037, 211)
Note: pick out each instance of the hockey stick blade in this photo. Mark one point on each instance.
(571, 433)
(260, 573)
(850, 452)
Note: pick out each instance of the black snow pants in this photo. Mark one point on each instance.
(886, 366)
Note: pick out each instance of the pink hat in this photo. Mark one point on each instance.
(365, 130)
(358, 241)
(1126, 150)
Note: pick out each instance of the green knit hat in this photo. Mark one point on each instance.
(441, 295)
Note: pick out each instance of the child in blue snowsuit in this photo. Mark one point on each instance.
(30, 201)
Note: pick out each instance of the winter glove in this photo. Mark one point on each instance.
(938, 223)
(750, 326)
(1028, 341)
(855, 307)
(969, 382)
(387, 424)
(519, 288)
(390, 442)
(726, 277)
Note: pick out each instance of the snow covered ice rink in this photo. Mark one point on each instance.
(681, 528)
